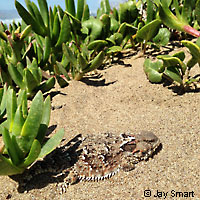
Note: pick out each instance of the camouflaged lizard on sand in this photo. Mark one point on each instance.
(95, 157)
(100, 156)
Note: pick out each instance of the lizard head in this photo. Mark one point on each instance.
(140, 146)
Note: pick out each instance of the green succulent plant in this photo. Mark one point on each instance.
(52, 28)
(23, 132)
(174, 68)
(78, 64)
(15, 63)
(29, 78)
(148, 32)
(13, 43)
(181, 19)
(3, 100)
(128, 12)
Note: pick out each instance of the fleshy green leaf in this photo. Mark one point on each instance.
(31, 82)
(45, 120)
(162, 38)
(194, 49)
(128, 12)
(97, 44)
(47, 49)
(96, 62)
(10, 147)
(33, 154)
(71, 7)
(16, 76)
(197, 11)
(148, 31)
(80, 9)
(22, 100)
(169, 19)
(114, 49)
(86, 13)
(180, 55)
(174, 74)
(82, 62)
(153, 70)
(65, 31)
(61, 81)
(18, 121)
(63, 70)
(51, 144)
(32, 123)
(28, 19)
(70, 56)
(35, 70)
(170, 61)
(7, 168)
(11, 107)
(47, 85)
(95, 27)
(44, 11)
(3, 101)
(56, 28)
(38, 17)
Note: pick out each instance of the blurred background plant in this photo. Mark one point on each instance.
(44, 30)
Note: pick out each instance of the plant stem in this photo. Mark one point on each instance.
(188, 29)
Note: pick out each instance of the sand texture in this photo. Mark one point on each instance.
(121, 99)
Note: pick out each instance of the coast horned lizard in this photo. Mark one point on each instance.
(92, 157)
(100, 156)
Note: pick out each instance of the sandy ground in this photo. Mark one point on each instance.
(122, 100)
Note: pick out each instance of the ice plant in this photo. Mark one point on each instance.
(178, 22)
(23, 132)
(29, 78)
(2, 102)
(174, 68)
(80, 63)
(12, 44)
